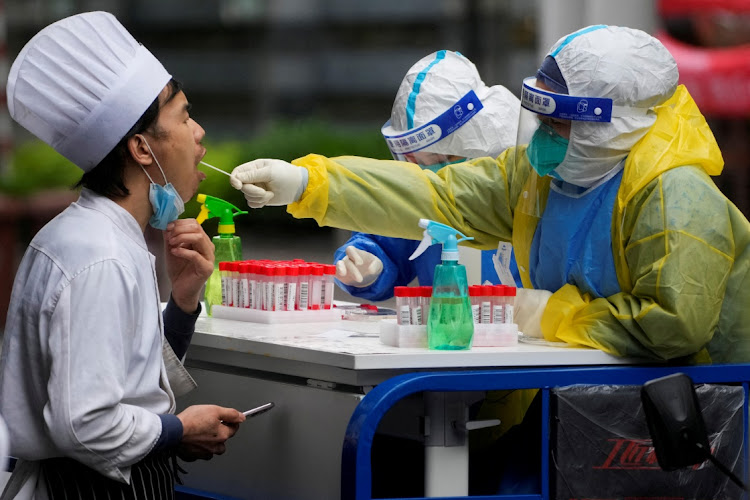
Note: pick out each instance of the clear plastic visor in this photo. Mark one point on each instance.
(420, 145)
(546, 118)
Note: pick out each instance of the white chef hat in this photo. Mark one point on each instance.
(81, 83)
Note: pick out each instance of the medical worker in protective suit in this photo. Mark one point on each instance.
(622, 238)
(369, 266)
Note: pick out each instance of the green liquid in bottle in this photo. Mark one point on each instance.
(450, 325)
(227, 248)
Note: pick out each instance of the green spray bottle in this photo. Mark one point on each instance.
(228, 245)
(450, 325)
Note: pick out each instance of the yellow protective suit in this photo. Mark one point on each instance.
(681, 248)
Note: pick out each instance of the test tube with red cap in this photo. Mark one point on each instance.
(279, 282)
(267, 286)
(403, 311)
(224, 280)
(475, 297)
(232, 283)
(252, 283)
(510, 301)
(303, 297)
(498, 304)
(485, 308)
(292, 279)
(316, 286)
(244, 291)
(425, 299)
(329, 286)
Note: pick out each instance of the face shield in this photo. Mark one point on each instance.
(545, 126)
(421, 145)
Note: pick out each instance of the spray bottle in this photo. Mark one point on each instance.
(450, 324)
(228, 245)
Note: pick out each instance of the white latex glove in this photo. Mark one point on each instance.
(359, 268)
(528, 310)
(269, 182)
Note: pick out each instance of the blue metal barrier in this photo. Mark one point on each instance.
(356, 474)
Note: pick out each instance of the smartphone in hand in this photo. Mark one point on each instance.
(257, 411)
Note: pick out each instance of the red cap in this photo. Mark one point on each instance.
(400, 291)
(510, 291)
(318, 269)
(475, 290)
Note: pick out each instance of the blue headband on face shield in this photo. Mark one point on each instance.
(565, 107)
(416, 139)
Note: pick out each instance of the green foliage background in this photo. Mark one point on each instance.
(37, 167)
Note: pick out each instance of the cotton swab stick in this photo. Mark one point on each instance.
(217, 169)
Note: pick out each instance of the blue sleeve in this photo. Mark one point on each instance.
(171, 433)
(179, 327)
(397, 269)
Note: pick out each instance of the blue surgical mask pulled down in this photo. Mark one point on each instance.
(546, 149)
(165, 200)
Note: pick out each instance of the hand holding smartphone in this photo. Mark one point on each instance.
(257, 411)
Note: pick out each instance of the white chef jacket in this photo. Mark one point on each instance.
(81, 373)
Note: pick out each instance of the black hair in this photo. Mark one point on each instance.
(106, 178)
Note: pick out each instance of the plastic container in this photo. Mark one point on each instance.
(450, 324)
(393, 334)
(276, 317)
(228, 246)
(495, 335)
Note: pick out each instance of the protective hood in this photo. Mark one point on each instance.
(626, 65)
(435, 84)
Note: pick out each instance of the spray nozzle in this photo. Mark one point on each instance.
(216, 207)
(435, 232)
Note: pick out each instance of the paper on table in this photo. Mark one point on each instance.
(342, 334)
(536, 341)
(339, 341)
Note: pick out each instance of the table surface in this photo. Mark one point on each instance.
(347, 345)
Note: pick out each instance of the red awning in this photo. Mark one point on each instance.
(671, 8)
(717, 78)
